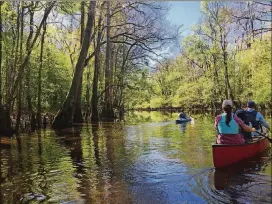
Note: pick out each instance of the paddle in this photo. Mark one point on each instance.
(269, 139)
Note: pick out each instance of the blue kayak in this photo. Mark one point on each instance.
(182, 120)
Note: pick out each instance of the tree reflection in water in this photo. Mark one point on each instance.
(135, 162)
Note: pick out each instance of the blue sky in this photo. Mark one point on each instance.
(184, 12)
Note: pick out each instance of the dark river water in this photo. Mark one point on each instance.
(147, 159)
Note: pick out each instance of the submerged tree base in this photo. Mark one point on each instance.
(78, 117)
(63, 119)
(5, 121)
(108, 115)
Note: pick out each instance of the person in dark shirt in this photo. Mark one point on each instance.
(256, 118)
(182, 115)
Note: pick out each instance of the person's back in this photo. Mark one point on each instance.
(182, 115)
(228, 126)
(243, 115)
(256, 118)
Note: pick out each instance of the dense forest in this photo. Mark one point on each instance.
(227, 55)
(92, 61)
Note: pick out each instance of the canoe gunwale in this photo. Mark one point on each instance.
(260, 138)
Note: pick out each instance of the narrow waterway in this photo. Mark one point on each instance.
(147, 159)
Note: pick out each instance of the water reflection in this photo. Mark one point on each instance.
(238, 174)
(246, 182)
(183, 126)
(131, 162)
(140, 117)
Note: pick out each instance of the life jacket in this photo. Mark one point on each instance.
(243, 115)
(252, 119)
(223, 128)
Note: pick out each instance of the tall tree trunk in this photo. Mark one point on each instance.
(28, 70)
(94, 100)
(123, 72)
(65, 116)
(108, 112)
(271, 70)
(215, 79)
(8, 71)
(227, 85)
(78, 117)
(26, 59)
(5, 122)
(112, 60)
(215, 70)
(87, 99)
(228, 91)
(82, 23)
(15, 62)
(1, 53)
(19, 99)
(39, 108)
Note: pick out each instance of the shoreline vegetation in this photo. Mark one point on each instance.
(85, 62)
(25, 124)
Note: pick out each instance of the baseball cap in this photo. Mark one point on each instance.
(251, 104)
(226, 103)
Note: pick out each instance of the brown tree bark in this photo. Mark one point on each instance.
(107, 110)
(271, 69)
(78, 117)
(18, 80)
(1, 53)
(39, 108)
(15, 62)
(26, 59)
(82, 23)
(94, 100)
(28, 70)
(19, 99)
(228, 91)
(5, 122)
(65, 116)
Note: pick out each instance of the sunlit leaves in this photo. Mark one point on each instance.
(254, 65)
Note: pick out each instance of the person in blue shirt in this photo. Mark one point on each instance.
(256, 118)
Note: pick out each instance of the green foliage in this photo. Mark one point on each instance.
(156, 102)
(255, 70)
(179, 83)
(198, 75)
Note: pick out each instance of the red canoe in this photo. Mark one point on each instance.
(224, 155)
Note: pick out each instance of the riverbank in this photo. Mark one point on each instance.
(206, 107)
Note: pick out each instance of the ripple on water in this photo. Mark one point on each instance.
(152, 163)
